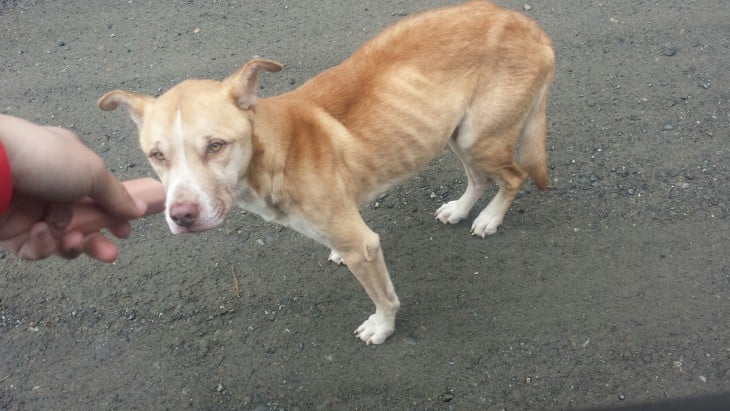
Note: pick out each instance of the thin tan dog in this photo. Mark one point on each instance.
(472, 76)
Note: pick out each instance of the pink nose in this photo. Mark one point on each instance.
(184, 214)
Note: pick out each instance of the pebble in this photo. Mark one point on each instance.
(647, 358)
(219, 388)
(526, 7)
(671, 51)
(668, 127)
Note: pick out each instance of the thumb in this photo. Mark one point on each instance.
(112, 196)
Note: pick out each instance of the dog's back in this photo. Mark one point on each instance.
(409, 89)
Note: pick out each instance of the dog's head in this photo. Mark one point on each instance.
(197, 136)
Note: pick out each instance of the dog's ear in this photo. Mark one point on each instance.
(133, 102)
(242, 83)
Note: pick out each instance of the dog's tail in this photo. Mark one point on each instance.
(531, 143)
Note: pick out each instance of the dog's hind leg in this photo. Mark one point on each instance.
(493, 154)
(457, 210)
(360, 250)
(494, 157)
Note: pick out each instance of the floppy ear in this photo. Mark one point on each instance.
(134, 103)
(242, 83)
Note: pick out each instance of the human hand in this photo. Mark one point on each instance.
(51, 171)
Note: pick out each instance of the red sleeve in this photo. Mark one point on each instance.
(6, 181)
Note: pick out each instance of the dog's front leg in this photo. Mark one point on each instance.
(361, 252)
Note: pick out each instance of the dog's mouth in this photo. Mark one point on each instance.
(189, 218)
(176, 229)
(196, 227)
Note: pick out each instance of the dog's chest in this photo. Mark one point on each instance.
(253, 203)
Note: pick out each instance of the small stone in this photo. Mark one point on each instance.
(526, 7)
(671, 51)
(647, 358)
(219, 388)
(417, 333)
(61, 43)
(621, 397)
(668, 127)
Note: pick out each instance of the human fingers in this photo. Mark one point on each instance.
(40, 243)
(121, 230)
(100, 248)
(71, 245)
(111, 195)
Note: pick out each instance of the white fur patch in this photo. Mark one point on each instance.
(183, 184)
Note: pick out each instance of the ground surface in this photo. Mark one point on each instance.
(611, 289)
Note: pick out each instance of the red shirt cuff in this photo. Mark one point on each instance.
(6, 181)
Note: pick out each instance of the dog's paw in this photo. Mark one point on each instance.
(451, 212)
(486, 224)
(376, 329)
(335, 258)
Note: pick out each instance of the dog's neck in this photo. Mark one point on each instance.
(263, 177)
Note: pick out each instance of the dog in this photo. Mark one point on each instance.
(474, 77)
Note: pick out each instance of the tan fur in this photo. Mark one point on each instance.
(472, 76)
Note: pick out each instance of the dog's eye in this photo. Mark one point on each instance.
(157, 155)
(215, 146)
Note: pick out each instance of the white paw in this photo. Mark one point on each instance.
(335, 258)
(375, 329)
(452, 212)
(486, 224)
